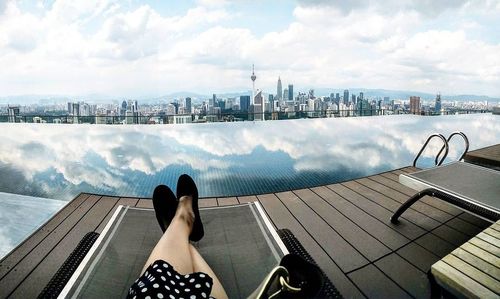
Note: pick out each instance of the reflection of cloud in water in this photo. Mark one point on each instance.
(119, 159)
(20, 216)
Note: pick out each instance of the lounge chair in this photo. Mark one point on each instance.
(240, 244)
(469, 187)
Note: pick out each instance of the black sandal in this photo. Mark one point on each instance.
(187, 187)
(165, 204)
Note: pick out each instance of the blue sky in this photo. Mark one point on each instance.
(140, 48)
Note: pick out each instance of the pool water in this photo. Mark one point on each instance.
(53, 163)
(60, 161)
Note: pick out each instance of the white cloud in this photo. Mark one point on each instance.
(82, 47)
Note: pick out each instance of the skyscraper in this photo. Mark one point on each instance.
(414, 105)
(437, 105)
(258, 106)
(244, 103)
(337, 98)
(279, 91)
(290, 92)
(13, 112)
(187, 105)
(124, 108)
(346, 97)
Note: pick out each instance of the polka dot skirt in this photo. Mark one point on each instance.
(160, 280)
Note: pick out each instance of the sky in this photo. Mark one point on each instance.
(150, 48)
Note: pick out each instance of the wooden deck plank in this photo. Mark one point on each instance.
(146, 203)
(406, 228)
(433, 209)
(486, 246)
(367, 245)
(11, 281)
(246, 199)
(490, 239)
(227, 201)
(16, 255)
(418, 256)
(466, 227)
(474, 220)
(494, 233)
(375, 284)
(407, 276)
(478, 262)
(474, 273)
(420, 219)
(282, 218)
(435, 245)
(451, 235)
(489, 156)
(41, 275)
(410, 169)
(376, 228)
(207, 202)
(410, 192)
(460, 282)
(343, 253)
(481, 253)
(124, 201)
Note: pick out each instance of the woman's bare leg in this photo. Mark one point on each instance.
(200, 265)
(173, 246)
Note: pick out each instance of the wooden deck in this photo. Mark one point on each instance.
(488, 156)
(345, 227)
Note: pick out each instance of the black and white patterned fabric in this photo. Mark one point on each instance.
(161, 280)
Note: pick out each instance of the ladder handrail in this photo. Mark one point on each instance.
(425, 145)
(466, 140)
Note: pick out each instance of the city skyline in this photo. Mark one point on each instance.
(152, 48)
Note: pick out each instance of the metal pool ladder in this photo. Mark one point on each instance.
(445, 147)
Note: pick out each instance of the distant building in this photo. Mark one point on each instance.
(437, 105)
(38, 120)
(271, 103)
(13, 112)
(187, 105)
(258, 106)
(182, 119)
(244, 103)
(337, 99)
(364, 108)
(129, 117)
(346, 97)
(290, 92)
(414, 105)
(279, 90)
(101, 118)
(285, 95)
(124, 108)
(75, 109)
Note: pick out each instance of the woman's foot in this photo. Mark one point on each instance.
(186, 189)
(165, 204)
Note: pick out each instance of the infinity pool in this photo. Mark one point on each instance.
(60, 161)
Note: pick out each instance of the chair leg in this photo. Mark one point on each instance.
(409, 202)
